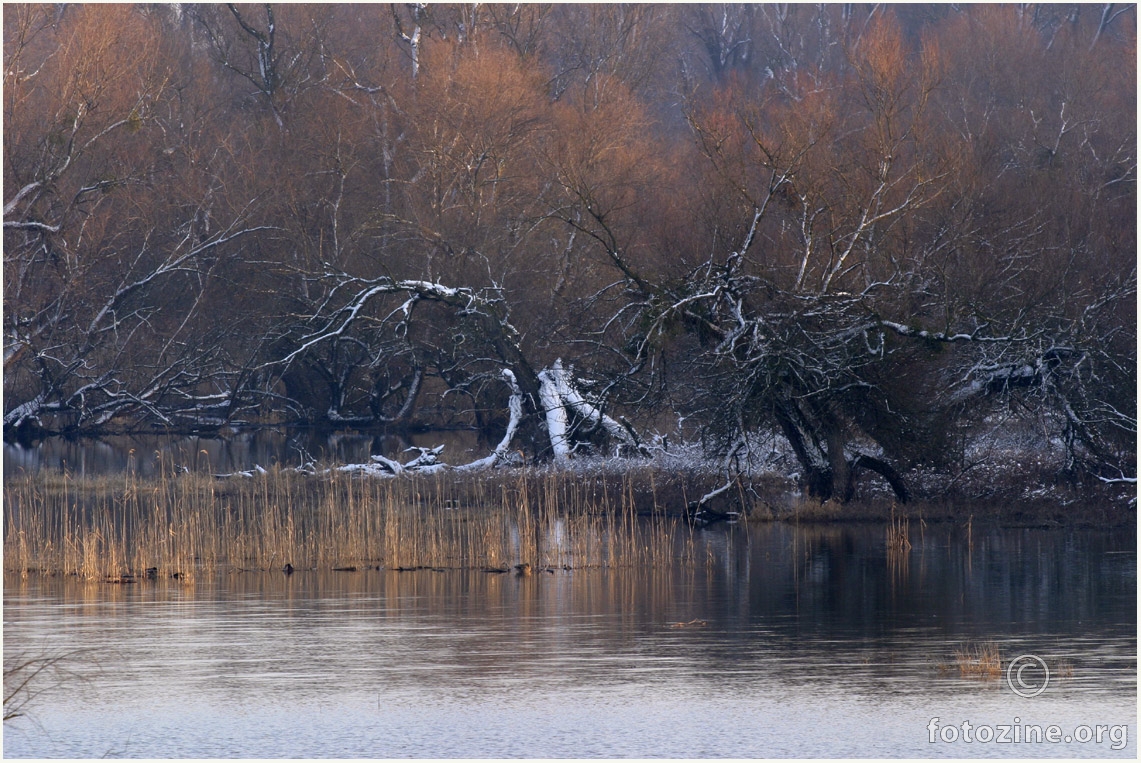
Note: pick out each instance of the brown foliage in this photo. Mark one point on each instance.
(195, 194)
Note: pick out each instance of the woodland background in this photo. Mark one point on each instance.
(870, 232)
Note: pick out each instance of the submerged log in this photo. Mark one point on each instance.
(725, 504)
(700, 516)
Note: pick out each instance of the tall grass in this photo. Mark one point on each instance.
(979, 660)
(126, 528)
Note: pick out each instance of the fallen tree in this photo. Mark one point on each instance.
(861, 235)
(547, 408)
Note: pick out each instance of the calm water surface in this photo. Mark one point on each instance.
(808, 641)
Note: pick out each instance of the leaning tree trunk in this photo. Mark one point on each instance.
(813, 458)
(821, 446)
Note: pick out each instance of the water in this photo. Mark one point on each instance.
(783, 641)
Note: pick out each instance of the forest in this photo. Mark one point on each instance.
(870, 236)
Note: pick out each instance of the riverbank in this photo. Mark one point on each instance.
(1057, 510)
(128, 527)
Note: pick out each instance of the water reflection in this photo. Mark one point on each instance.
(785, 641)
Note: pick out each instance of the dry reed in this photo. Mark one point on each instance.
(978, 660)
(898, 534)
(183, 525)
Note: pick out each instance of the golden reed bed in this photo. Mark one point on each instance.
(127, 528)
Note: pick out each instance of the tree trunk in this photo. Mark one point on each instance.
(817, 478)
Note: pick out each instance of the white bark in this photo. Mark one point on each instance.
(556, 414)
(714, 493)
(427, 462)
(515, 406)
(25, 411)
(571, 397)
(10, 207)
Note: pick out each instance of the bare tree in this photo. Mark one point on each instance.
(856, 230)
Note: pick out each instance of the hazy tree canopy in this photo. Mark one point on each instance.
(863, 229)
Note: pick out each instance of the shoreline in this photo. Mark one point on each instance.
(184, 524)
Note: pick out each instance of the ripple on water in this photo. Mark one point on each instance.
(774, 661)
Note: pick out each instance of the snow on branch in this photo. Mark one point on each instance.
(427, 461)
(570, 396)
(551, 399)
(515, 407)
(940, 336)
(343, 318)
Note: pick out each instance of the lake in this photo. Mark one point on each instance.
(782, 640)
